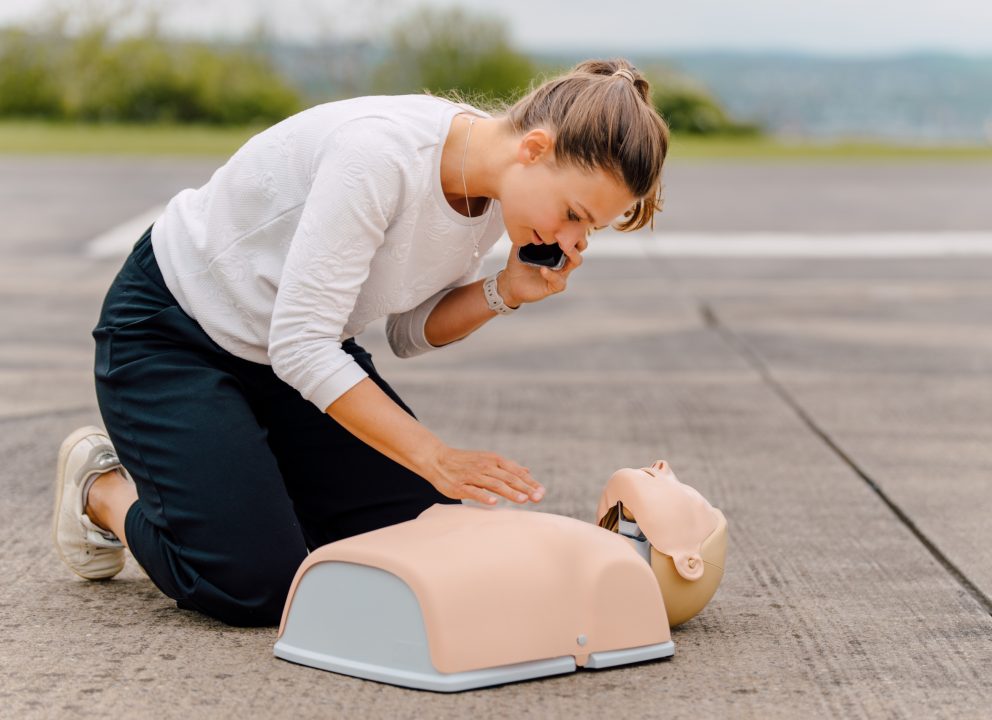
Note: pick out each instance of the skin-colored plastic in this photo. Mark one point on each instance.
(502, 586)
(688, 536)
(685, 598)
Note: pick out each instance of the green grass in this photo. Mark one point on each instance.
(695, 148)
(48, 138)
(38, 137)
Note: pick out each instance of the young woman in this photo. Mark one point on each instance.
(251, 424)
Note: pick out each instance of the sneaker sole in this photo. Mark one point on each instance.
(64, 451)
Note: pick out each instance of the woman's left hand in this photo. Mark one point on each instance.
(522, 283)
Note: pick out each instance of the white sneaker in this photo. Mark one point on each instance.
(89, 551)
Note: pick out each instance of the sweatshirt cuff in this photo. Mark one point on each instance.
(405, 332)
(333, 387)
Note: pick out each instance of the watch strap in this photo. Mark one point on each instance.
(493, 298)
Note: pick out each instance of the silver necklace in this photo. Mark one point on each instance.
(468, 205)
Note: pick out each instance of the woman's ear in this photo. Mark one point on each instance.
(534, 146)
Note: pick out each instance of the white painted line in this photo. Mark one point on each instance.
(609, 244)
(118, 241)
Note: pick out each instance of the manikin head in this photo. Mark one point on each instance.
(675, 529)
(589, 147)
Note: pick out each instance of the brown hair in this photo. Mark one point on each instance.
(603, 121)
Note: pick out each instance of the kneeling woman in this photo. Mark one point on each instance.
(244, 423)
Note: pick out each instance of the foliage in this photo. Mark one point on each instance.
(96, 72)
(447, 51)
(444, 50)
(27, 82)
(690, 110)
(146, 78)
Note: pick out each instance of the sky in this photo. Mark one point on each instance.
(827, 27)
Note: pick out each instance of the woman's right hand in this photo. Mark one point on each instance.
(478, 475)
(374, 418)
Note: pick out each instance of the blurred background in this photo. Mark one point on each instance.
(758, 77)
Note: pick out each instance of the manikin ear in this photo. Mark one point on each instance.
(535, 145)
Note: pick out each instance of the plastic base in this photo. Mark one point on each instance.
(431, 680)
(365, 622)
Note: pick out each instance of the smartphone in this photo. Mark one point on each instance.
(549, 256)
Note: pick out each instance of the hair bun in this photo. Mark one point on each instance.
(618, 66)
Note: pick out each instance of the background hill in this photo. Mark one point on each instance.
(922, 97)
(928, 98)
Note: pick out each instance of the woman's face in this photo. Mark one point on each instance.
(542, 203)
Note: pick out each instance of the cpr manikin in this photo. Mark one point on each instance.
(464, 596)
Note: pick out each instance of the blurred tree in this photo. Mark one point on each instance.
(27, 79)
(133, 79)
(689, 109)
(93, 75)
(444, 49)
(696, 113)
(238, 86)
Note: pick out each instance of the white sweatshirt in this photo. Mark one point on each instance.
(317, 226)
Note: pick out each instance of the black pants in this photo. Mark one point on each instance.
(237, 475)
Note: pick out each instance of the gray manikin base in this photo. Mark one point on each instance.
(366, 622)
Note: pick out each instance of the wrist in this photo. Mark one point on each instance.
(427, 457)
(502, 286)
(494, 298)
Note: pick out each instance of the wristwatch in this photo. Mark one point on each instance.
(493, 298)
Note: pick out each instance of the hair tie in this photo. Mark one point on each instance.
(625, 73)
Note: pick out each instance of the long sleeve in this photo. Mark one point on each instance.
(358, 179)
(405, 331)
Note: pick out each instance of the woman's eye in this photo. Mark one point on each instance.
(572, 216)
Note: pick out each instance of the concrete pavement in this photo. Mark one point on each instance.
(837, 410)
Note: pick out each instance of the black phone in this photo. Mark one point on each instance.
(549, 256)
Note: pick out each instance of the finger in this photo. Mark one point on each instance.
(575, 255)
(514, 467)
(522, 473)
(470, 492)
(504, 490)
(569, 267)
(571, 264)
(515, 488)
(502, 482)
(498, 486)
(554, 279)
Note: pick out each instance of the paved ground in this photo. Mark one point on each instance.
(839, 412)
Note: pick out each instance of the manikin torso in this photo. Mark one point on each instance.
(503, 586)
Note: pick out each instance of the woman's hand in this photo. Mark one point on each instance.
(520, 283)
(374, 418)
(477, 475)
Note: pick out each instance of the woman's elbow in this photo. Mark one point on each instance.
(401, 340)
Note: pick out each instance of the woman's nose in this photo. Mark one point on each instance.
(568, 237)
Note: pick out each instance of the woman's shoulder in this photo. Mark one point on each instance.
(405, 114)
(407, 124)
(390, 128)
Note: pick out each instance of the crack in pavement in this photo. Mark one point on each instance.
(751, 356)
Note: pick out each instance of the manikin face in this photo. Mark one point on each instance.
(543, 203)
